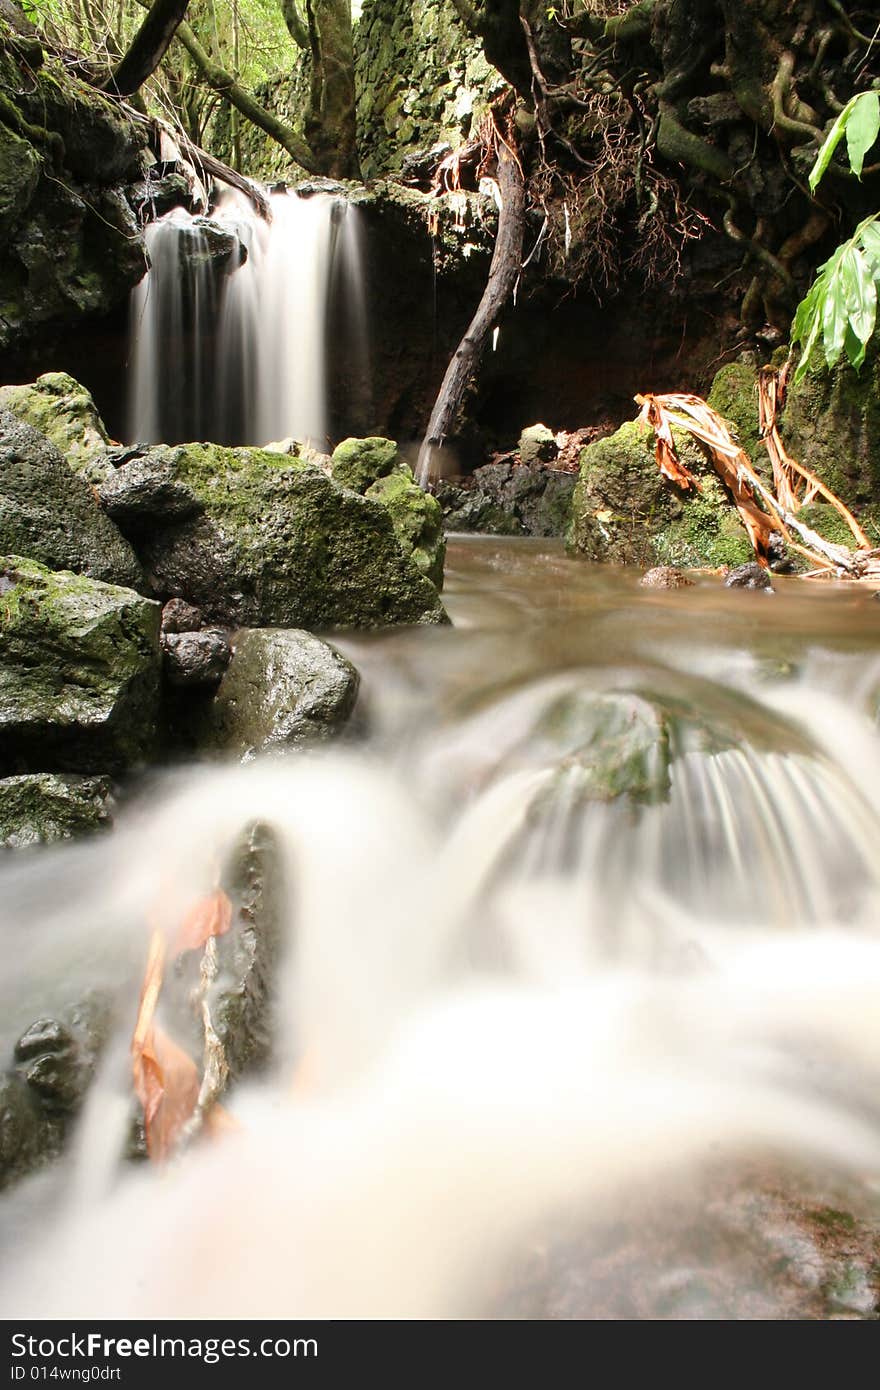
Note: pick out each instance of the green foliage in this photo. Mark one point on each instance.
(839, 313)
(860, 122)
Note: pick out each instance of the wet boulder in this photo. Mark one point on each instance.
(256, 539)
(283, 689)
(196, 658)
(537, 444)
(53, 516)
(358, 463)
(39, 808)
(752, 576)
(79, 671)
(666, 577)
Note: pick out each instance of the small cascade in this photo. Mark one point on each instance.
(230, 327)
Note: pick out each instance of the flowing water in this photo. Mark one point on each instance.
(585, 914)
(232, 344)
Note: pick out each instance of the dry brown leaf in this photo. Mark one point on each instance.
(211, 916)
(166, 1080)
(668, 462)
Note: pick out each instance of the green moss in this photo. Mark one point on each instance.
(734, 396)
(708, 533)
(358, 463)
(831, 425)
(41, 808)
(79, 671)
(66, 413)
(827, 521)
(417, 520)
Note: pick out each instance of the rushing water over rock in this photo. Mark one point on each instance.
(230, 325)
(593, 909)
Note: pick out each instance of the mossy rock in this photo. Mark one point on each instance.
(734, 396)
(40, 808)
(63, 410)
(269, 540)
(417, 521)
(358, 463)
(625, 511)
(79, 671)
(20, 167)
(831, 425)
(53, 516)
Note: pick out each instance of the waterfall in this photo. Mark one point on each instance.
(230, 337)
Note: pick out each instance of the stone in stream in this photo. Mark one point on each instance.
(178, 616)
(625, 511)
(751, 576)
(39, 808)
(45, 1084)
(283, 689)
(666, 577)
(79, 671)
(507, 499)
(374, 468)
(51, 515)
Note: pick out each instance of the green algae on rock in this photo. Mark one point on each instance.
(79, 671)
(264, 539)
(50, 514)
(63, 410)
(39, 808)
(625, 511)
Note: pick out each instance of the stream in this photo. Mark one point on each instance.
(576, 1009)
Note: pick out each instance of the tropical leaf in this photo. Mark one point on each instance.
(862, 129)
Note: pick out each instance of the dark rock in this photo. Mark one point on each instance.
(666, 577)
(509, 500)
(154, 195)
(39, 808)
(752, 576)
(79, 672)
(47, 1035)
(283, 689)
(51, 515)
(179, 616)
(196, 658)
(143, 490)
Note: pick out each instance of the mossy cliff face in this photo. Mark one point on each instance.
(625, 511)
(79, 671)
(69, 244)
(421, 79)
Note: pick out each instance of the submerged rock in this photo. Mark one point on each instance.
(42, 807)
(63, 411)
(45, 1084)
(256, 538)
(751, 576)
(666, 577)
(51, 515)
(283, 689)
(625, 511)
(79, 671)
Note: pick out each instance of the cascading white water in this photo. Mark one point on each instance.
(251, 367)
(506, 999)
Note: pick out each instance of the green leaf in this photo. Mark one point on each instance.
(829, 145)
(869, 236)
(835, 317)
(862, 129)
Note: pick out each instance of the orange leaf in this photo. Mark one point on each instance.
(166, 1080)
(211, 916)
